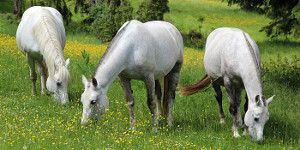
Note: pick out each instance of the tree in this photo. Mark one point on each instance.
(108, 16)
(247, 5)
(152, 10)
(284, 15)
(19, 7)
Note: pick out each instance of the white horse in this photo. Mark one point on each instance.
(142, 51)
(232, 60)
(41, 36)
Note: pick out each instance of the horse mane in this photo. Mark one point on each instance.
(112, 44)
(47, 34)
(257, 66)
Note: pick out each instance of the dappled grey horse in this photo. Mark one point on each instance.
(142, 51)
(232, 60)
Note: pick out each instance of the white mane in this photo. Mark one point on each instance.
(46, 32)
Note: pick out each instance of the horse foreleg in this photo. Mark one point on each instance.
(150, 85)
(33, 76)
(125, 83)
(41, 69)
(233, 105)
(218, 95)
(158, 98)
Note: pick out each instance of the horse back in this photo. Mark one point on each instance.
(227, 54)
(26, 39)
(154, 46)
(164, 44)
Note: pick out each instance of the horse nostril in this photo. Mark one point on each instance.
(93, 102)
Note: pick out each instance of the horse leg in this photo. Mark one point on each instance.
(172, 82)
(158, 98)
(233, 104)
(150, 85)
(41, 69)
(238, 93)
(218, 95)
(33, 76)
(125, 83)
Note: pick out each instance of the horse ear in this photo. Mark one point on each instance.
(94, 81)
(257, 99)
(268, 101)
(84, 80)
(67, 62)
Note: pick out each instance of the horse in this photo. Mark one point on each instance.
(232, 60)
(141, 51)
(41, 36)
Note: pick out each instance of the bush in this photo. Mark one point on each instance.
(283, 70)
(108, 17)
(194, 38)
(152, 10)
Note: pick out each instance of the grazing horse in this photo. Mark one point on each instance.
(41, 36)
(141, 51)
(232, 60)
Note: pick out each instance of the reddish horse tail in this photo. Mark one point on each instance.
(186, 90)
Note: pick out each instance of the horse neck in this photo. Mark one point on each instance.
(253, 85)
(110, 67)
(54, 59)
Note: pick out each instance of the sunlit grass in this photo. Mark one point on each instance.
(37, 122)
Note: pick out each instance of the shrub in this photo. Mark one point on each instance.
(108, 17)
(283, 70)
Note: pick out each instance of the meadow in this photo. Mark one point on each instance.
(37, 122)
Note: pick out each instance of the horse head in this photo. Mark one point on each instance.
(94, 101)
(256, 117)
(58, 84)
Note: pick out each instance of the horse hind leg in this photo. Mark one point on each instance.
(150, 85)
(158, 98)
(171, 82)
(233, 105)
(218, 95)
(42, 72)
(33, 75)
(126, 85)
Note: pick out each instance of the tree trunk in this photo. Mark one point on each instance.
(16, 8)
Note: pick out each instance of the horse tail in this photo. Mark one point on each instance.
(46, 69)
(186, 90)
(165, 99)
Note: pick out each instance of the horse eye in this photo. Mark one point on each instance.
(58, 83)
(256, 119)
(93, 102)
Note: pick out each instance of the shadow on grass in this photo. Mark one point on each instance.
(275, 46)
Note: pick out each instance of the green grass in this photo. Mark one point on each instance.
(37, 122)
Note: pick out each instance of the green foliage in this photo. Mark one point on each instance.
(284, 15)
(246, 4)
(108, 17)
(194, 38)
(60, 5)
(152, 10)
(283, 70)
(83, 65)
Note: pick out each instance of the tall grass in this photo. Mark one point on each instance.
(37, 122)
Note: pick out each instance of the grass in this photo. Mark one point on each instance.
(37, 122)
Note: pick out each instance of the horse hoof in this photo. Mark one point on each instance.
(236, 135)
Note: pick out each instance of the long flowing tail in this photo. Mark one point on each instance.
(186, 90)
